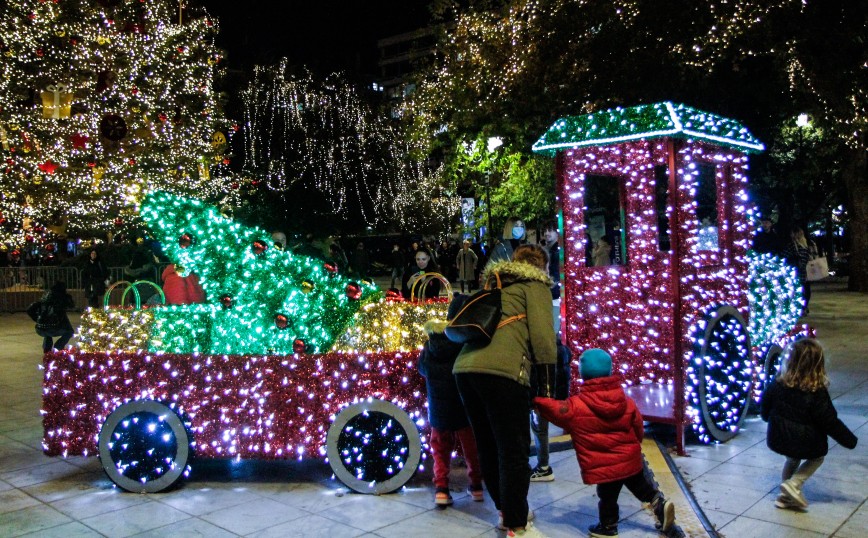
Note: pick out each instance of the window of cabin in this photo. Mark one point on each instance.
(605, 221)
(661, 200)
(706, 207)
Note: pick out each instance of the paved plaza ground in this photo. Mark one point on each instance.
(734, 483)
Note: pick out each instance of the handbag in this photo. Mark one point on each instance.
(480, 316)
(817, 269)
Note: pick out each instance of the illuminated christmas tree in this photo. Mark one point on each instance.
(261, 300)
(101, 101)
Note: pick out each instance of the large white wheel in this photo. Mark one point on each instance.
(724, 373)
(144, 446)
(373, 447)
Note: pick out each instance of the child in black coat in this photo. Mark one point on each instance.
(801, 416)
(446, 413)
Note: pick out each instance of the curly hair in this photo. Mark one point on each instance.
(532, 254)
(805, 367)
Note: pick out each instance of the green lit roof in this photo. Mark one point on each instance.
(646, 121)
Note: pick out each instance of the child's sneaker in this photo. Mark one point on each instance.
(529, 532)
(603, 531)
(664, 511)
(542, 474)
(475, 491)
(795, 494)
(502, 527)
(785, 503)
(442, 498)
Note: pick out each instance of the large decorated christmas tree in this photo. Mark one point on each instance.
(101, 101)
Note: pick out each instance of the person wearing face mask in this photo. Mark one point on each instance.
(423, 262)
(514, 235)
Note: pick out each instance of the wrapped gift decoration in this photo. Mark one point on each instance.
(56, 102)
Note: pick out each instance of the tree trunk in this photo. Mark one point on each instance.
(855, 175)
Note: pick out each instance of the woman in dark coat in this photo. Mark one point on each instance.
(423, 263)
(94, 277)
(49, 313)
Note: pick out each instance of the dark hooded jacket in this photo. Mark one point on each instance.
(605, 426)
(445, 409)
(800, 422)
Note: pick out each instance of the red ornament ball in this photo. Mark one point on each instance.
(331, 268)
(226, 301)
(49, 247)
(393, 294)
(281, 321)
(119, 221)
(185, 241)
(259, 247)
(354, 291)
(298, 346)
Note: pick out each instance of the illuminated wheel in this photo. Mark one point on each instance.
(373, 447)
(723, 374)
(772, 364)
(144, 447)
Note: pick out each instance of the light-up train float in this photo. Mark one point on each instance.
(694, 322)
(289, 359)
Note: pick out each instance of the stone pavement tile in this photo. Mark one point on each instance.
(49, 470)
(30, 436)
(189, 528)
(711, 494)
(196, 500)
(856, 525)
(742, 476)
(563, 521)
(69, 530)
(716, 452)
(309, 497)
(718, 519)
(745, 527)
(370, 513)
(31, 519)
(311, 526)
(96, 502)
(846, 466)
(567, 468)
(68, 486)
(135, 519)
(692, 468)
(253, 516)
(544, 493)
(585, 501)
(823, 516)
(762, 457)
(15, 499)
(15, 455)
(435, 523)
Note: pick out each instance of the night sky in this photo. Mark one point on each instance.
(325, 35)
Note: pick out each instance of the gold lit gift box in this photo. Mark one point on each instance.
(56, 102)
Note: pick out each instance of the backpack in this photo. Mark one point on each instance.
(45, 314)
(480, 316)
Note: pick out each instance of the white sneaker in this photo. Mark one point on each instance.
(795, 494)
(530, 531)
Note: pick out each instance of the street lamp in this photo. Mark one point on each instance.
(802, 120)
(494, 142)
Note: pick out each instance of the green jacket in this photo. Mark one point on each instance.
(526, 290)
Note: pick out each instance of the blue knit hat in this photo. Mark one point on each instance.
(595, 363)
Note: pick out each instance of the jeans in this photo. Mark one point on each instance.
(65, 333)
(797, 474)
(442, 444)
(639, 485)
(540, 428)
(498, 409)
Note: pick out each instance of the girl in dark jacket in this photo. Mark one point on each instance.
(94, 277)
(801, 416)
(446, 411)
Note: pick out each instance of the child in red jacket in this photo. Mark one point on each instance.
(606, 429)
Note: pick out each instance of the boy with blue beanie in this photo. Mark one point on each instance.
(606, 429)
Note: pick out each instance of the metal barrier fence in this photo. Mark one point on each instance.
(21, 286)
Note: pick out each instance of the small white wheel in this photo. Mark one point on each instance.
(144, 446)
(373, 447)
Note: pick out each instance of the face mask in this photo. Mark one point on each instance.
(517, 232)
